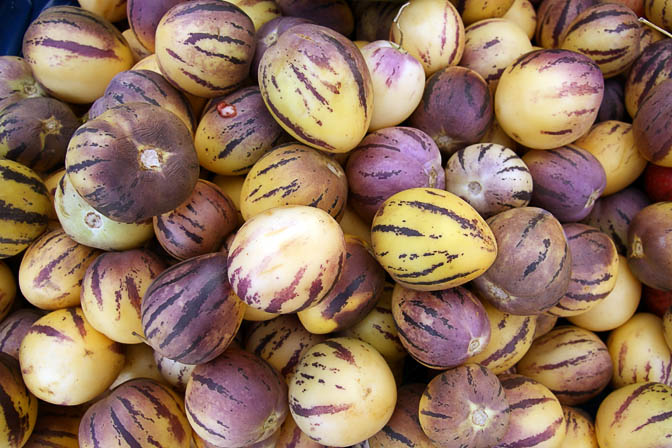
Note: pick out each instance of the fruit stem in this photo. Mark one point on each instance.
(654, 26)
(396, 22)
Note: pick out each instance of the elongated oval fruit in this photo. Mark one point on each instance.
(133, 162)
(57, 343)
(19, 405)
(440, 329)
(635, 415)
(235, 400)
(273, 263)
(140, 412)
(235, 131)
(316, 84)
(594, 270)
(294, 174)
(75, 53)
(52, 269)
(342, 393)
(205, 47)
(189, 312)
(533, 267)
(353, 296)
(112, 291)
(651, 127)
(24, 207)
(536, 414)
(572, 362)
(559, 103)
(428, 239)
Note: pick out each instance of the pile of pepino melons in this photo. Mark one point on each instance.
(318, 223)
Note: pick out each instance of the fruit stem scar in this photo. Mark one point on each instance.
(51, 125)
(150, 159)
(637, 251)
(479, 417)
(93, 220)
(474, 187)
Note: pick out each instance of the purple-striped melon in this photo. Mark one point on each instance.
(294, 174)
(464, 406)
(199, 225)
(189, 312)
(14, 328)
(144, 16)
(635, 415)
(112, 292)
(572, 362)
(609, 34)
(316, 84)
(140, 412)
(57, 343)
(342, 393)
(52, 270)
(353, 296)
(205, 47)
(440, 329)
(132, 162)
(235, 131)
(235, 400)
(273, 264)
(549, 98)
(75, 53)
(536, 418)
(19, 405)
(388, 161)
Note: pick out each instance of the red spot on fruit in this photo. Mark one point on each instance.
(226, 110)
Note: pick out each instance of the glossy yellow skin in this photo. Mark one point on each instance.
(487, 59)
(91, 228)
(352, 224)
(23, 190)
(659, 12)
(420, 28)
(523, 14)
(421, 221)
(52, 269)
(19, 405)
(613, 144)
(504, 328)
(378, 329)
(617, 32)
(617, 307)
(475, 10)
(112, 10)
(580, 429)
(255, 315)
(326, 107)
(626, 417)
(75, 76)
(639, 352)
(356, 381)
(64, 360)
(275, 251)
(7, 289)
(260, 11)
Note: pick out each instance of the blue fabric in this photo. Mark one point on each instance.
(16, 15)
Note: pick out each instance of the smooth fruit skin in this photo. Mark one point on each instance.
(658, 182)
